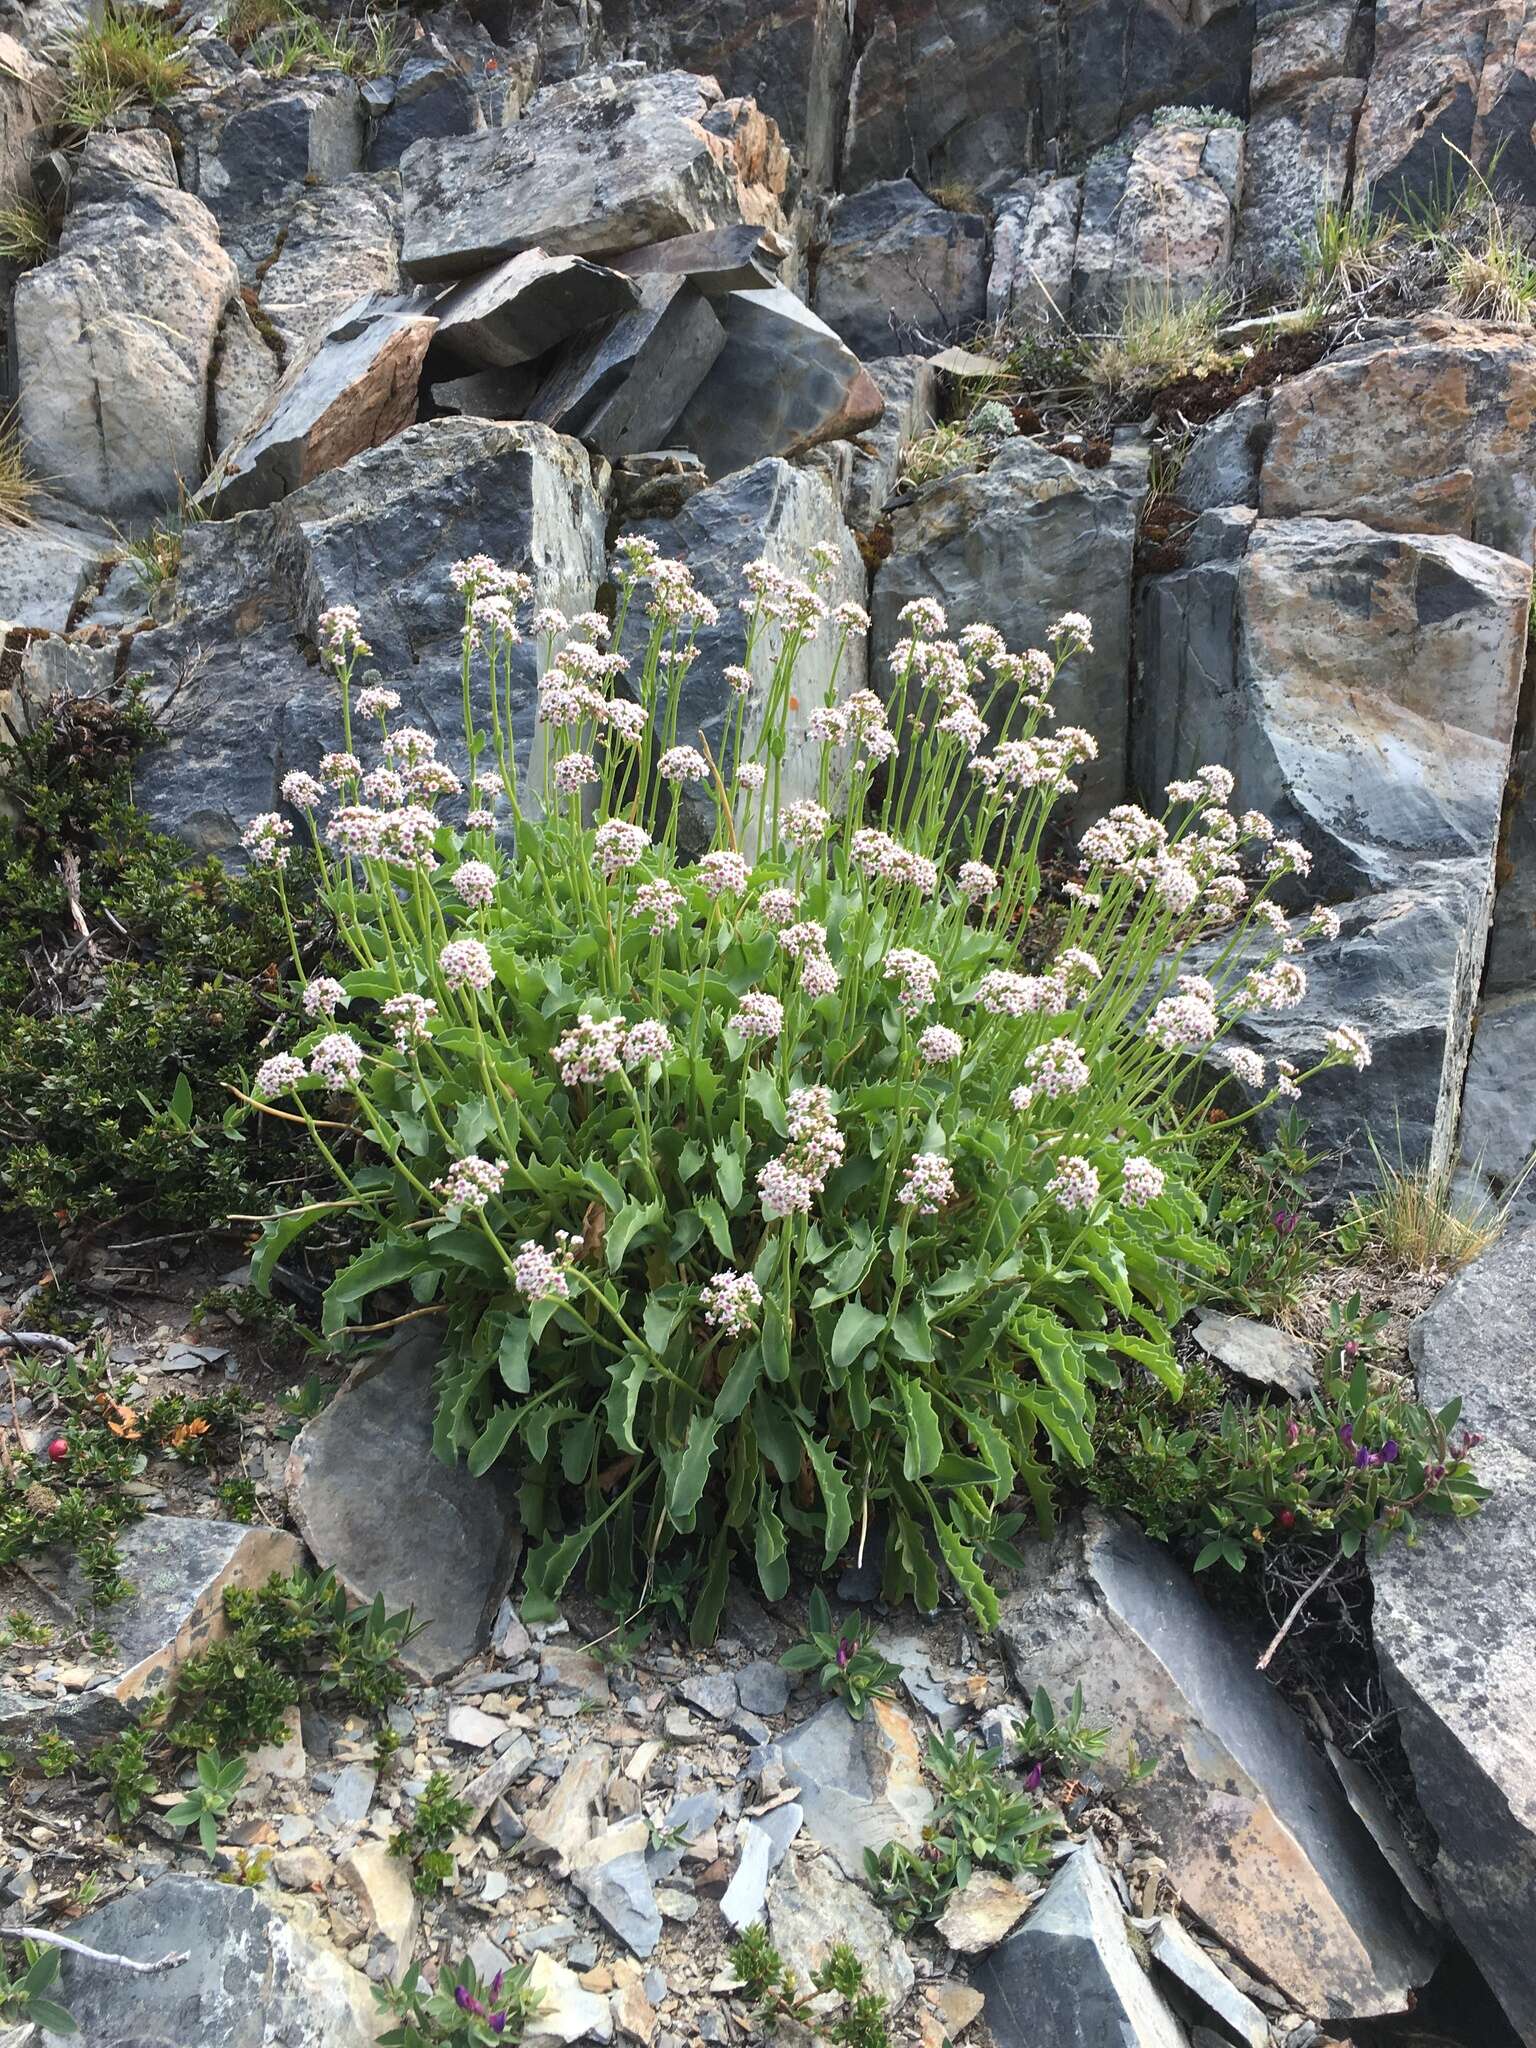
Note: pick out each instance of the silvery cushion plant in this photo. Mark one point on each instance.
(768, 1193)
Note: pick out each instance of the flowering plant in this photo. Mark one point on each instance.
(771, 1191)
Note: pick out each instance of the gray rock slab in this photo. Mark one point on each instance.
(1016, 545)
(896, 271)
(622, 391)
(1455, 1624)
(526, 306)
(1269, 1854)
(763, 1688)
(1069, 1978)
(355, 392)
(377, 1507)
(382, 533)
(1181, 1959)
(712, 1692)
(256, 1974)
(179, 1569)
(597, 164)
(612, 1876)
(859, 1782)
(248, 151)
(743, 258)
(783, 383)
(1258, 1352)
(1034, 241)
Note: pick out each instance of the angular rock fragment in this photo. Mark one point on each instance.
(1296, 161)
(1455, 1619)
(1195, 1982)
(566, 2013)
(1498, 1101)
(610, 1873)
(1017, 544)
(860, 1782)
(1268, 1852)
(1070, 1975)
(179, 1569)
(432, 98)
(246, 151)
(255, 1972)
(783, 383)
(356, 391)
(377, 1508)
(983, 1912)
(897, 271)
(622, 392)
(245, 378)
(526, 306)
(595, 165)
(1258, 1352)
(734, 259)
(114, 341)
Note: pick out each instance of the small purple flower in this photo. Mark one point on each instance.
(1292, 1430)
(466, 2001)
(496, 1983)
(845, 1649)
(1032, 1778)
(1351, 1351)
(1363, 1458)
(497, 2023)
(1284, 1221)
(1391, 1451)
(1347, 1435)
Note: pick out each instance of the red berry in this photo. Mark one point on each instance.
(58, 1450)
(1287, 1519)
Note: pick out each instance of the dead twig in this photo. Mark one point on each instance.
(95, 1955)
(1295, 1614)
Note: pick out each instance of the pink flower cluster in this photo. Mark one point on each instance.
(1074, 1184)
(470, 1183)
(915, 974)
(731, 1303)
(410, 1016)
(789, 1184)
(465, 963)
(539, 1274)
(929, 1184)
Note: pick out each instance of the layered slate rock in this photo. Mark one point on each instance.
(356, 391)
(783, 383)
(1427, 427)
(380, 1509)
(1498, 1102)
(1361, 686)
(339, 245)
(1269, 1854)
(597, 164)
(720, 260)
(811, 1908)
(897, 271)
(114, 336)
(622, 392)
(1156, 226)
(257, 1972)
(179, 1570)
(381, 533)
(1017, 544)
(1070, 1976)
(526, 306)
(1455, 1619)
(1446, 84)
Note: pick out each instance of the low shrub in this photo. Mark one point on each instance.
(117, 1048)
(763, 1193)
